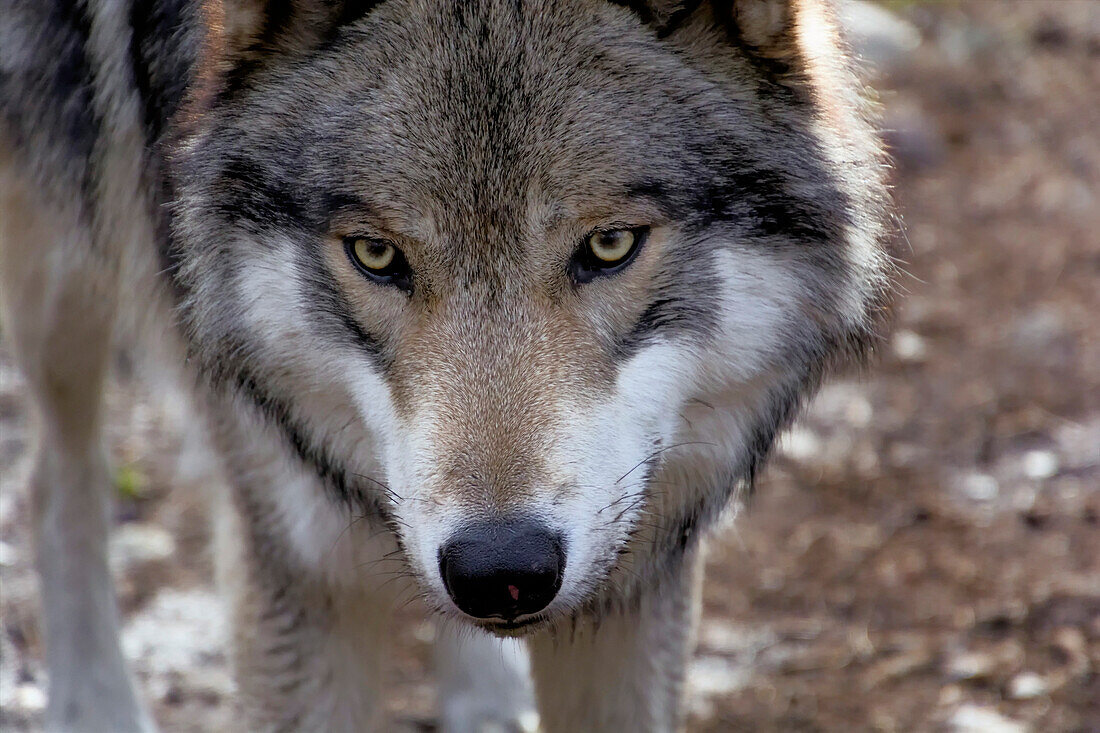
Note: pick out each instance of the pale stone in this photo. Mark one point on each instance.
(980, 487)
(1041, 464)
(971, 718)
(1026, 686)
(910, 346)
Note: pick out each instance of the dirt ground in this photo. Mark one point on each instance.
(924, 552)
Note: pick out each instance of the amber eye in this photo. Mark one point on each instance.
(611, 246)
(606, 251)
(373, 255)
(379, 260)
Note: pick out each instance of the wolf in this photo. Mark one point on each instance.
(497, 303)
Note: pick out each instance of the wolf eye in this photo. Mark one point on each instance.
(606, 251)
(374, 256)
(379, 260)
(612, 246)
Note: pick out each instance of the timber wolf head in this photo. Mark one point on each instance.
(536, 282)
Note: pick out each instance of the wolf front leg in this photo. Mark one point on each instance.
(307, 656)
(58, 301)
(624, 671)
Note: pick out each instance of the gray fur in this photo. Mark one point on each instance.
(199, 151)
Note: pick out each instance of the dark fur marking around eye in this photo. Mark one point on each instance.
(259, 194)
(260, 200)
(336, 307)
(331, 311)
(677, 310)
(335, 202)
(339, 308)
(659, 194)
(760, 199)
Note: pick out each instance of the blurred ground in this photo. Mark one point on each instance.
(923, 554)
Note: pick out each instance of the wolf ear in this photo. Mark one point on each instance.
(249, 30)
(767, 29)
(240, 37)
(761, 24)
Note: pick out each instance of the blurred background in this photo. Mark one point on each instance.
(924, 551)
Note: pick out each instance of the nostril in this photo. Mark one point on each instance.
(503, 569)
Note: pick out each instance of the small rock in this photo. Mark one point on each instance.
(137, 544)
(176, 630)
(1038, 336)
(1040, 464)
(1027, 686)
(9, 501)
(743, 643)
(971, 718)
(950, 695)
(970, 666)
(1071, 645)
(159, 688)
(980, 487)
(492, 726)
(1079, 443)
(722, 637)
(843, 401)
(898, 667)
(910, 346)
(172, 694)
(906, 454)
(711, 676)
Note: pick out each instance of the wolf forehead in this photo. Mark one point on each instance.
(451, 120)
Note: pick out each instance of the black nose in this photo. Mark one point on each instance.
(502, 569)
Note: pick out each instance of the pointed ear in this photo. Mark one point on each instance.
(760, 24)
(775, 30)
(791, 31)
(246, 31)
(240, 37)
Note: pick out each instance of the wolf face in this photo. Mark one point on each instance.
(535, 284)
